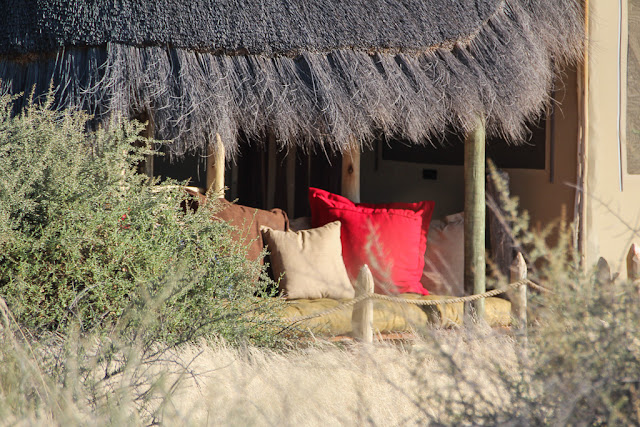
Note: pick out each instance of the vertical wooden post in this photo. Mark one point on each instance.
(633, 263)
(580, 213)
(351, 173)
(215, 168)
(603, 272)
(362, 316)
(518, 296)
(474, 214)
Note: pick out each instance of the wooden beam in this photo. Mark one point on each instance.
(474, 214)
(580, 210)
(351, 173)
(362, 315)
(215, 168)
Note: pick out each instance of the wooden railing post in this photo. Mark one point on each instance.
(603, 272)
(633, 263)
(518, 296)
(362, 316)
(215, 168)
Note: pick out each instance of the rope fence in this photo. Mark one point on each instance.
(362, 315)
(465, 299)
(516, 290)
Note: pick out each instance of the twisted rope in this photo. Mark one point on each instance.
(457, 300)
(537, 287)
(332, 310)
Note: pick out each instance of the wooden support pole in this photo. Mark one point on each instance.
(351, 173)
(633, 263)
(362, 316)
(474, 215)
(215, 168)
(518, 296)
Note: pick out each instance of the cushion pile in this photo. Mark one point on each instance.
(390, 238)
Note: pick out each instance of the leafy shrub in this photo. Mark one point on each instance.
(85, 239)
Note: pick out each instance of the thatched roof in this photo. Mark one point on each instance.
(313, 71)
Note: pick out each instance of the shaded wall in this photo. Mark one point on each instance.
(613, 195)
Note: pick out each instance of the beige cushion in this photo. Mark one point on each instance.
(444, 258)
(311, 261)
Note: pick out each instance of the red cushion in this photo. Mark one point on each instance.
(391, 238)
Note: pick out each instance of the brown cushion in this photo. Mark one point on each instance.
(444, 258)
(311, 261)
(302, 223)
(248, 221)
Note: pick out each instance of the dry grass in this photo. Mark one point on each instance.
(332, 384)
(581, 368)
(212, 383)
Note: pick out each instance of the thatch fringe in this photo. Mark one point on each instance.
(505, 72)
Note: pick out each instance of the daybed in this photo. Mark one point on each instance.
(316, 267)
(392, 317)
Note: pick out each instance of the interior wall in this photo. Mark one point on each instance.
(612, 196)
(545, 193)
(394, 181)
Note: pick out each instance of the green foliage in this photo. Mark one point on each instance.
(84, 238)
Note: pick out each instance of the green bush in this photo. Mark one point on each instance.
(84, 238)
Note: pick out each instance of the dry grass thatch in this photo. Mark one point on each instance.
(313, 72)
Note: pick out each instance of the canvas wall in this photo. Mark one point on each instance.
(613, 194)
